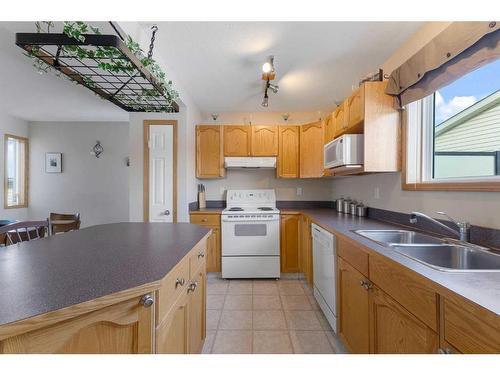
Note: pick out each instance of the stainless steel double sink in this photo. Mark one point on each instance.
(442, 254)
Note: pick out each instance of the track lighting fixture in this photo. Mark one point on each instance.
(268, 74)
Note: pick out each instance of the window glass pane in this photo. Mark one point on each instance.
(467, 125)
(15, 171)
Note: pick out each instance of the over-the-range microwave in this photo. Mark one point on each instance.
(344, 151)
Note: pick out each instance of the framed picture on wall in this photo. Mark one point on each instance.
(53, 162)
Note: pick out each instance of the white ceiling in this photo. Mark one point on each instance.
(317, 63)
(219, 65)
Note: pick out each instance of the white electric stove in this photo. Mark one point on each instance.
(251, 235)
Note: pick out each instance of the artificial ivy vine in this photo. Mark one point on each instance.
(114, 60)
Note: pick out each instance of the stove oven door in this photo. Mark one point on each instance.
(251, 238)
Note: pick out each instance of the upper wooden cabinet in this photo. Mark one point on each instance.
(339, 120)
(311, 150)
(264, 140)
(288, 152)
(355, 109)
(209, 157)
(237, 140)
(329, 128)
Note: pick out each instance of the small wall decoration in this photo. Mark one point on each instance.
(53, 162)
(97, 150)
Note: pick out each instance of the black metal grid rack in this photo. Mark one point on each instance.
(125, 89)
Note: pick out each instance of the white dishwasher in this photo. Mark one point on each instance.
(324, 270)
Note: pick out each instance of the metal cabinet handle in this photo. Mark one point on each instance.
(147, 300)
(445, 351)
(366, 284)
(204, 220)
(201, 254)
(180, 282)
(192, 286)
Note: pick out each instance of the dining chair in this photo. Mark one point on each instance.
(24, 231)
(72, 222)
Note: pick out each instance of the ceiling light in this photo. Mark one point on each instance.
(267, 67)
(265, 101)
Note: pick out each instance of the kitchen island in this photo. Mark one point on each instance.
(114, 288)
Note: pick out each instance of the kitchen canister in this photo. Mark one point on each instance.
(352, 208)
(347, 206)
(339, 204)
(361, 210)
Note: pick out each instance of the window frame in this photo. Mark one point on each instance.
(26, 172)
(421, 118)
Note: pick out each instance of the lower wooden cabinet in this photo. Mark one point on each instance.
(395, 330)
(212, 221)
(197, 312)
(305, 249)
(289, 243)
(353, 311)
(123, 328)
(172, 336)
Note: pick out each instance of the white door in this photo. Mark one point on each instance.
(161, 173)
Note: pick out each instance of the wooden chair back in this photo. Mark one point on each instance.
(24, 231)
(60, 228)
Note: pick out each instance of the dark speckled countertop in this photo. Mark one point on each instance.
(482, 288)
(60, 271)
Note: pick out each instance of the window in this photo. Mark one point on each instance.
(453, 135)
(16, 172)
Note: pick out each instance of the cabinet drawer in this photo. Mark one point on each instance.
(171, 287)
(471, 329)
(205, 219)
(197, 259)
(406, 288)
(354, 255)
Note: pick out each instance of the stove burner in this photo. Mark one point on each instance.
(235, 209)
(265, 208)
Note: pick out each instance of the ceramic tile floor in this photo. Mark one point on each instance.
(266, 317)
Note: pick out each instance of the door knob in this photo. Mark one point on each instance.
(166, 212)
(147, 300)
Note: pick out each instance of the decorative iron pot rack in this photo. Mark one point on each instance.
(120, 88)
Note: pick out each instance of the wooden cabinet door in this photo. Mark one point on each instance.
(289, 233)
(197, 312)
(237, 140)
(340, 120)
(355, 110)
(264, 140)
(393, 329)
(123, 328)
(209, 157)
(311, 150)
(288, 151)
(329, 128)
(354, 315)
(214, 251)
(172, 336)
(305, 250)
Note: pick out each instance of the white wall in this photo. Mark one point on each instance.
(286, 189)
(478, 208)
(14, 126)
(188, 117)
(97, 188)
